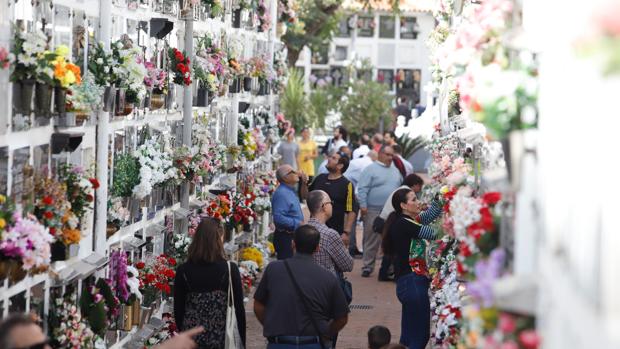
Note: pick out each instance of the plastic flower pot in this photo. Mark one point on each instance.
(255, 86)
(202, 98)
(236, 18)
(43, 99)
(264, 88)
(22, 96)
(119, 102)
(60, 100)
(59, 251)
(247, 84)
(171, 96)
(157, 100)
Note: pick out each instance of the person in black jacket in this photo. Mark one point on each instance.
(201, 288)
(404, 233)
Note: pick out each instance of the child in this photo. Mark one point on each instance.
(378, 336)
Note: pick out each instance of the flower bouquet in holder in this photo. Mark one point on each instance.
(156, 276)
(213, 7)
(7, 208)
(99, 306)
(24, 244)
(68, 328)
(179, 67)
(33, 64)
(81, 100)
(104, 67)
(155, 81)
(66, 74)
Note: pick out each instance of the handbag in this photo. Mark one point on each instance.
(347, 288)
(305, 303)
(377, 225)
(232, 337)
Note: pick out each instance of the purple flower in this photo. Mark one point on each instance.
(487, 272)
(118, 274)
(77, 170)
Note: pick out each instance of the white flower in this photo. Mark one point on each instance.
(100, 61)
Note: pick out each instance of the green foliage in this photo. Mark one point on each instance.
(364, 106)
(293, 100)
(410, 145)
(126, 175)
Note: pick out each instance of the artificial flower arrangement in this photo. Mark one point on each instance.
(180, 244)
(168, 331)
(156, 275)
(211, 64)
(219, 208)
(155, 78)
(191, 164)
(131, 70)
(246, 140)
(99, 306)
(213, 153)
(103, 65)
(84, 97)
(25, 241)
(32, 60)
(5, 58)
(252, 254)
(80, 188)
(69, 329)
(7, 264)
(118, 214)
(53, 209)
(493, 328)
(156, 167)
(215, 7)
(248, 269)
(126, 175)
(264, 17)
(256, 67)
(180, 67)
(66, 74)
(286, 12)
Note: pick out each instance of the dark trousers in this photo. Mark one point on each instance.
(283, 244)
(386, 263)
(412, 292)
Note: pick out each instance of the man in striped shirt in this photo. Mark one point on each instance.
(332, 254)
(341, 193)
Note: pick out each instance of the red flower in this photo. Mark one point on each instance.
(460, 268)
(476, 107)
(187, 61)
(169, 273)
(486, 221)
(94, 182)
(166, 288)
(53, 231)
(237, 217)
(89, 198)
(464, 249)
(48, 215)
(149, 278)
(172, 261)
(178, 55)
(492, 198)
(48, 200)
(172, 327)
(140, 265)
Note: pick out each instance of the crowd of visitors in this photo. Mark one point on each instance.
(302, 299)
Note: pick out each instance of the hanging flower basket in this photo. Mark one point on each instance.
(22, 96)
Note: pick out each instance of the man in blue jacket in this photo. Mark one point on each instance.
(287, 214)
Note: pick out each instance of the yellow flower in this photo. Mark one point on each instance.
(2, 223)
(2, 199)
(444, 189)
(62, 51)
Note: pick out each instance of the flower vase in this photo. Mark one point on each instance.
(69, 119)
(59, 251)
(264, 88)
(185, 9)
(126, 318)
(157, 101)
(136, 311)
(43, 99)
(236, 18)
(202, 98)
(255, 86)
(73, 250)
(247, 84)
(222, 89)
(235, 86)
(119, 101)
(145, 316)
(80, 117)
(5, 268)
(108, 98)
(170, 96)
(60, 100)
(128, 109)
(110, 230)
(16, 272)
(22, 96)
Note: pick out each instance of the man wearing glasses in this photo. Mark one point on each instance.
(287, 214)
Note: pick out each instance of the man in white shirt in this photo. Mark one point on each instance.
(363, 149)
(357, 165)
(339, 140)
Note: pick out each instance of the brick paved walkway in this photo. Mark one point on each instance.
(366, 291)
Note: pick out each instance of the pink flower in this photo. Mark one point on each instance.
(509, 345)
(529, 339)
(506, 323)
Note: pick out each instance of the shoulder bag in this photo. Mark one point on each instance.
(233, 338)
(305, 303)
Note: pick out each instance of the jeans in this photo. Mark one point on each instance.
(295, 346)
(352, 236)
(412, 292)
(283, 244)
